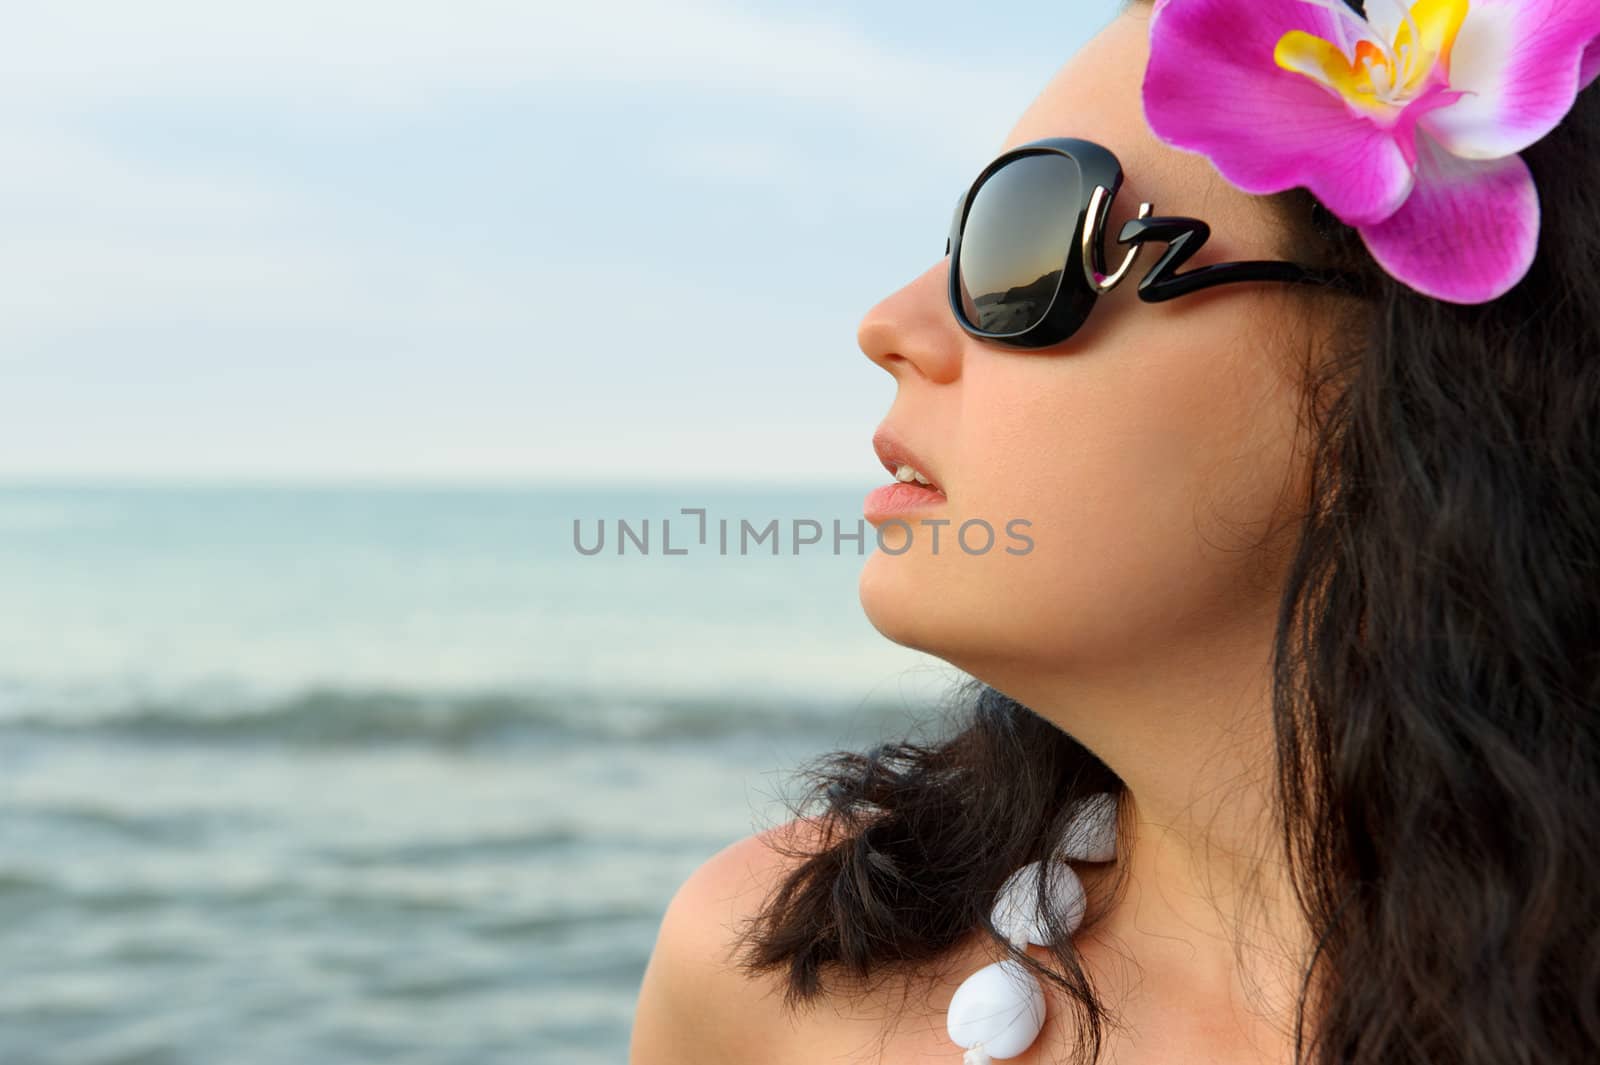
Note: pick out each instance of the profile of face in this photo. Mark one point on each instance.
(1153, 455)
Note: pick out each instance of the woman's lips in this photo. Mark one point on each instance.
(900, 499)
(899, 460)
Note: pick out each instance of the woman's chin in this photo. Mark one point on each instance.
(903, 601)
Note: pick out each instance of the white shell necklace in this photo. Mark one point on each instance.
(998, 1011)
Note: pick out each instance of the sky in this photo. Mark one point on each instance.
(482, 240)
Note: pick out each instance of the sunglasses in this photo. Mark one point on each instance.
(1027, 260)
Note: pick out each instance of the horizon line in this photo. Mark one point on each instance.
(16, 479)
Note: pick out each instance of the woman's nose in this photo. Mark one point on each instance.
(912, 331)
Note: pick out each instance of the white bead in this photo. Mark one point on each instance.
(1092, 835)
(1016, 915)
(1000, 1007)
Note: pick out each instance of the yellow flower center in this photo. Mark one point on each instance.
(1370, 74)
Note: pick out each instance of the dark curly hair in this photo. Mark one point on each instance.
(1436, 696)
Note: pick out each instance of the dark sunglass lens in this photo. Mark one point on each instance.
(1017, 238)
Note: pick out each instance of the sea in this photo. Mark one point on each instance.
(334, 773)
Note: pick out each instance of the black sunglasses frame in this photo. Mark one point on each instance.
(1084, 278)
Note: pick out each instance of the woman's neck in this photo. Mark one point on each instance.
(1207, 906)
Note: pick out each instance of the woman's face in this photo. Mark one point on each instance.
(1152, 453)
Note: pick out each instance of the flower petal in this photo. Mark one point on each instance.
(1467, 234)
(1591, 66)
(1212, 86)
(1519, 61)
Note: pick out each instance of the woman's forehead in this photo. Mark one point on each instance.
(1097, 95)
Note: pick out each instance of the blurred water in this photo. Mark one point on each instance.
(326, 774)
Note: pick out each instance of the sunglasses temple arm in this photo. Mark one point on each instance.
(1186, 236)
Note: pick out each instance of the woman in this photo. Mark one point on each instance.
(1312, 595)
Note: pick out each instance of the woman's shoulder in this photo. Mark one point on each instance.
(696, 1004)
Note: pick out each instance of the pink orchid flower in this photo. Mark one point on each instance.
(1406, 124)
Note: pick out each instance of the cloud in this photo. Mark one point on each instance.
(100, 226)
(186, 253)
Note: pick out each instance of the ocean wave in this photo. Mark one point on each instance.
(326, 717)
(428, 851)
(139, 827)
(326, 892)
(568, 922)
(19, 883)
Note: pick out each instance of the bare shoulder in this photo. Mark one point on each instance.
(697, 1007)
(695, 1004)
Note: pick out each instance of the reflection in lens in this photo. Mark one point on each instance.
(1018, 236)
